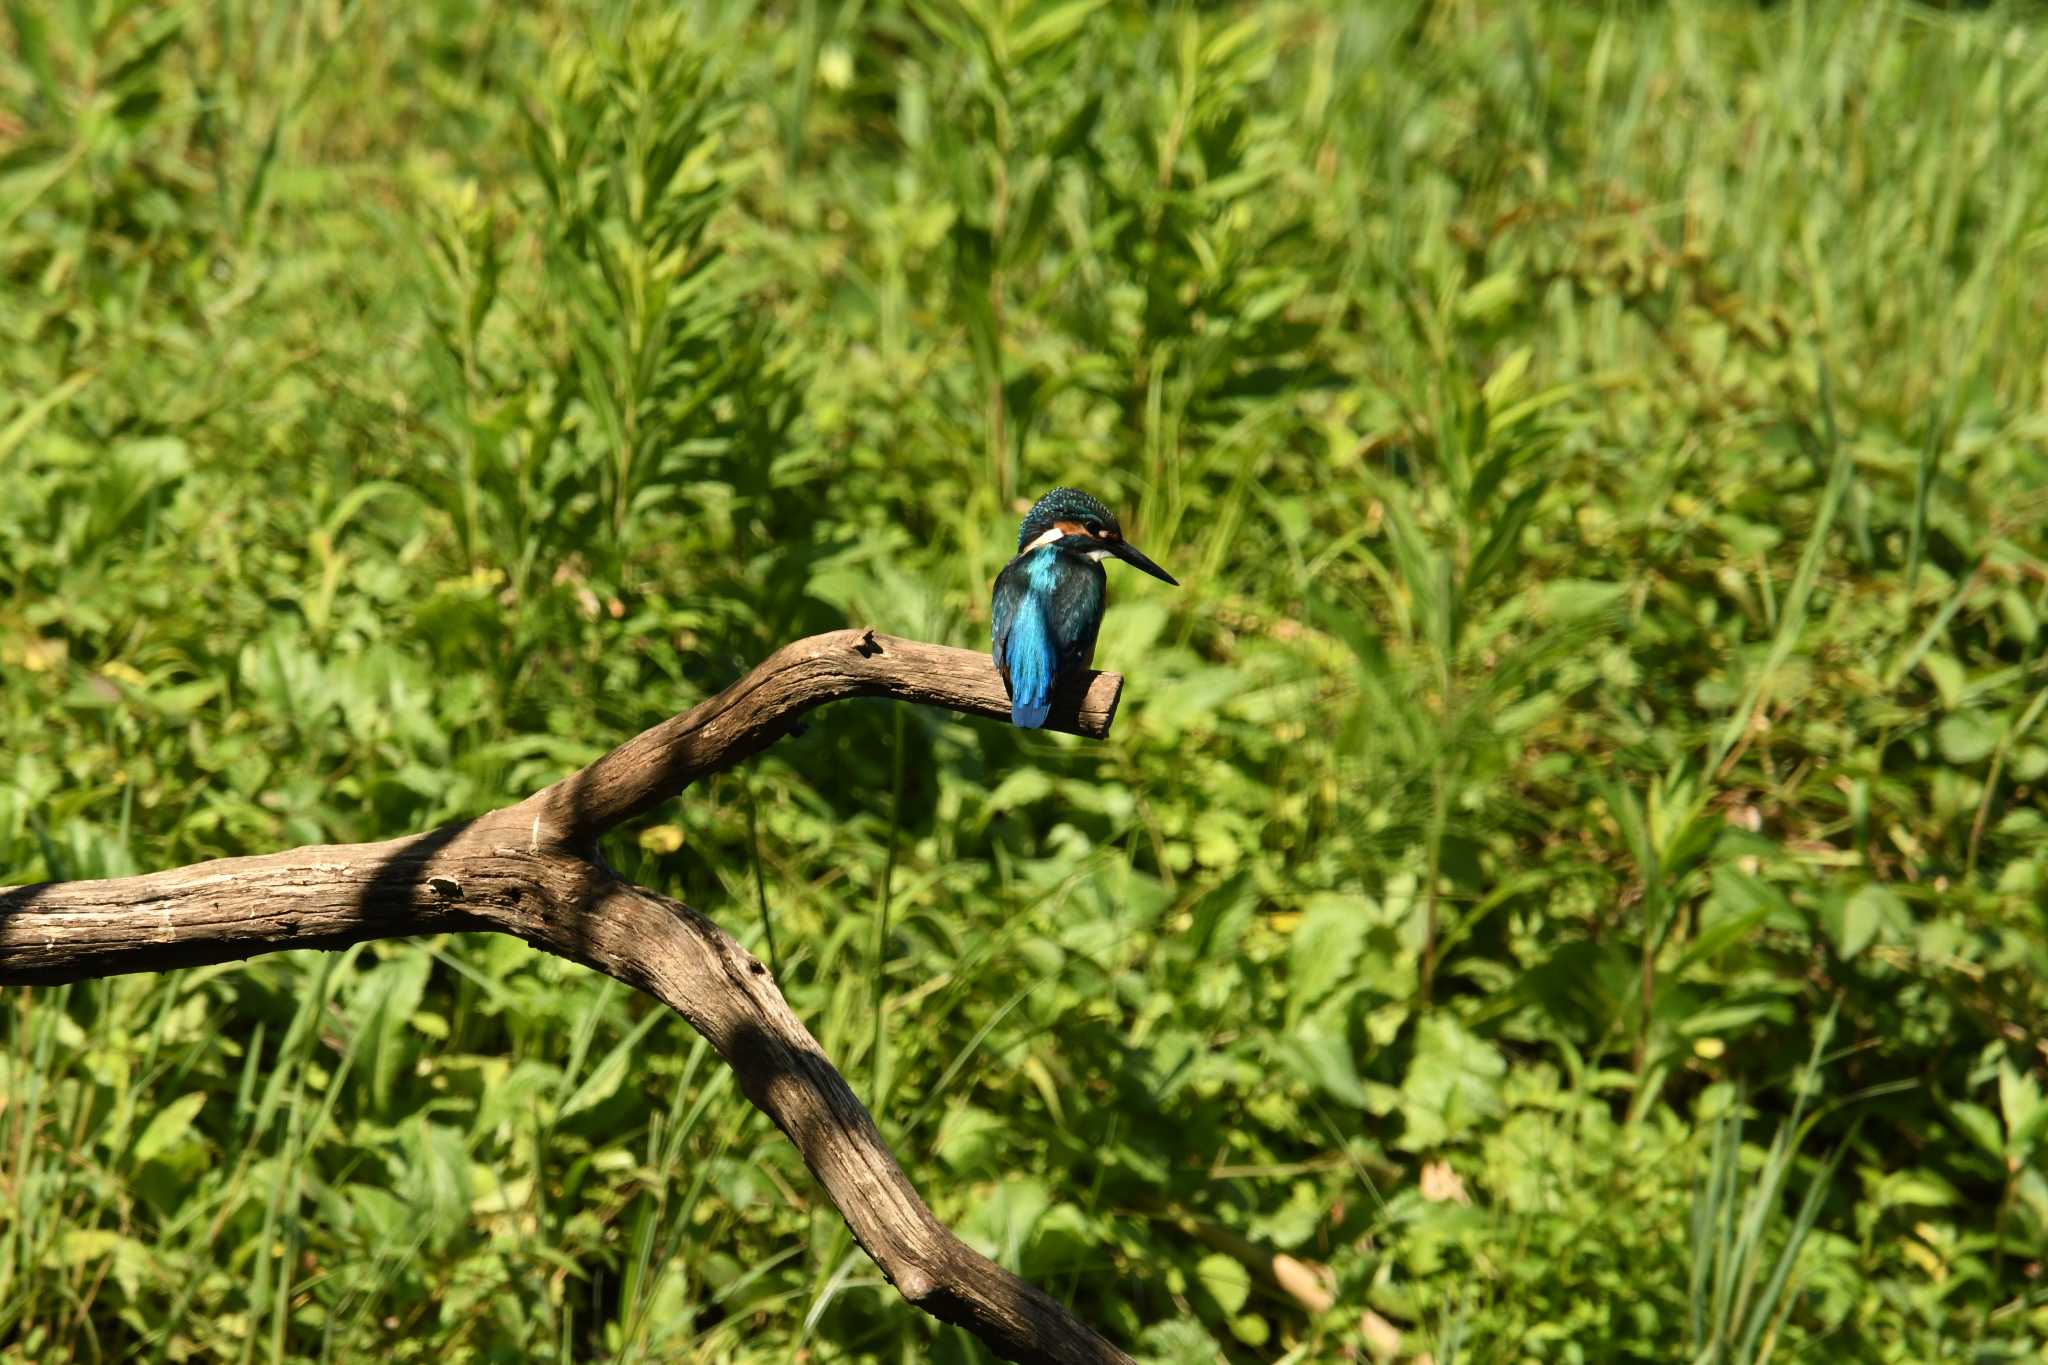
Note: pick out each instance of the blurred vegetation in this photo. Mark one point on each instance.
(1571, 858)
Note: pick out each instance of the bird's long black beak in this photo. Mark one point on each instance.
(1133, 556)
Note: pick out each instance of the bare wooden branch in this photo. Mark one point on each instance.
(766, 704)
(531, 870)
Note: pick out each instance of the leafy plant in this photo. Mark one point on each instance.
(1601, 449)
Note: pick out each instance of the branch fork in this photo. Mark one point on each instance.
(532, 870)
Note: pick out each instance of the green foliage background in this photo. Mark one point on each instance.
(1571, 858)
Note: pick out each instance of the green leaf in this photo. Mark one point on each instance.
(971, 1139)
(168, 1127)
(132, 1261)
(1221, 917)
(1967, 736)
(385, 999)
(1251, 1329)
(436, 1178)
(1020, 787)
(1319, 1052)
(1177, 1341)
(1326, 944)
(1922, 1188)
(1950, 682)
(1722, 932)
(1980, 1125)
(1003, 1220)
(1218, 843)
(1052, 27)
(1226, 1281)
(1506, 380)
(2019, 1103)
(1859, 923)
(1574, 599)
(1453, 1082)
(1502, 549)
(1492, 297)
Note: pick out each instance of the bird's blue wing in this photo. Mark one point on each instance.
(1024, 651)
(1074, 606)
(1003, 610)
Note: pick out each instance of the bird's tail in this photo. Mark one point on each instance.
(1031, 667)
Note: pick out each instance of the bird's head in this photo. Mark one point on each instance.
(1075, 521)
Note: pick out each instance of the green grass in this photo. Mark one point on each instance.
(1596, 754)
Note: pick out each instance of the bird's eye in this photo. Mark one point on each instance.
(1094, 527)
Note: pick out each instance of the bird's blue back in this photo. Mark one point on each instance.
(1047, 610)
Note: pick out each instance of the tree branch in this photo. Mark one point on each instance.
(766, 704)
(532, 870)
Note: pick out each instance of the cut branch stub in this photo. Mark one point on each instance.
(530, 870)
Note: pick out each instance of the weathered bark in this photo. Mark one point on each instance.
(532, 870)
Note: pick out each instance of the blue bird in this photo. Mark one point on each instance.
(1049, 599)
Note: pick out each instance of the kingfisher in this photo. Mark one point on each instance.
(1049, 599)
